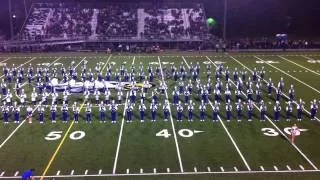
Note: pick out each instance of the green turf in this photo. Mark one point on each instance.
(140, 148)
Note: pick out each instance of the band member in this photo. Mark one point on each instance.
(294, 132)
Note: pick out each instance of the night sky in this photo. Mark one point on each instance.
(246, 18)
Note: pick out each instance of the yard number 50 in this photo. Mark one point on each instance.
(55, 135)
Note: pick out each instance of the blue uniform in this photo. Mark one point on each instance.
(153, 108)
(16, 114)
(229, 111)
(75, 113)
(288, 111)
(166, 111)
(142, 109)
(215, 112)
(250, 111)
(239, 108)
(180, 112)
(26, 175)
(190, 112)
(102, 110)
(277, 109)
(314, 108)
(202, 112)
(263, 110)
(53, 113)
(129, 113)
(41, 114)
(299, 111)
(113, 109)
(88, 113)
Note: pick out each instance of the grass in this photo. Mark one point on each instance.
(140, 148)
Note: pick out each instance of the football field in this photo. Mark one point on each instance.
(169, 149)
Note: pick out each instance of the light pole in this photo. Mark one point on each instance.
(10, 18)
(225, 20)
(25, 8)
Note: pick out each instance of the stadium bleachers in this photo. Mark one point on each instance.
(54, 21)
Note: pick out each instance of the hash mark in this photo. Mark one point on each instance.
(209, 169)
(141, 171)
(235, 168)
(221, 168)
(261, 167)
(276, 168)
(128, 171)
(72, 172)
(86, 172)
(288, 167)
(154, 170)
(301, 167)
(168, 170)
(58, 173)
(100, 171)
(2, 173)
(195, 169)
(16, 173)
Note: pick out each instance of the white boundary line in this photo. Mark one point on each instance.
(289, 75)
(174, 173)
(172, 123)
(266, 82)
(299, 65)
(275, 126)
(226, 130)
(121, 130)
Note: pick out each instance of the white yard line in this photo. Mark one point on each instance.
(233, 141)
(4, 60)
(121, 130)
(266, 82)
(105, 65)
(16, 129)
(289, 75)
(172, 123)
(185, 62)
(22, 64)
(280, 131)
(54, 61)
(80, 62)
(300, 65)
(227, 131)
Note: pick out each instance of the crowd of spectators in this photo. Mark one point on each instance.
(68, 22)
(51, 21)
(35, 24)
(117, 21)
(197, 21)
(269, 43)
(164, 23)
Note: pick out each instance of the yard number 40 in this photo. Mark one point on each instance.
(55, 135)
(182, 132)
